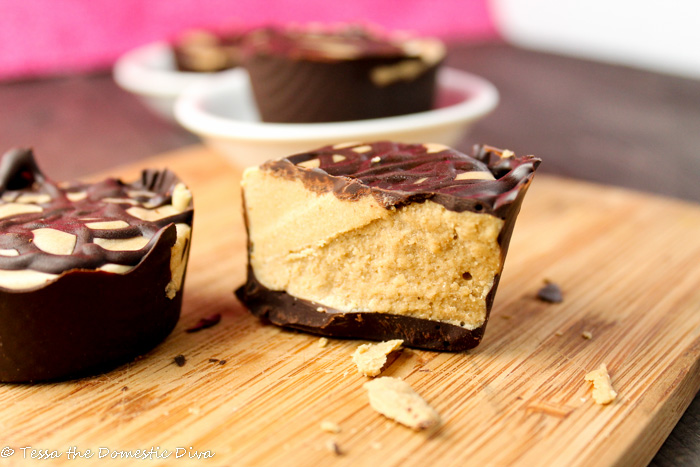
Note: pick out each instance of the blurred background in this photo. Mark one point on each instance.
(39, 38)
(601, 90)
(43, 37)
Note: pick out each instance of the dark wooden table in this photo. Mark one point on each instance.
(586, 120)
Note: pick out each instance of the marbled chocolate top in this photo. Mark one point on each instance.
(397, 174)
(53, 228)
(347, 43)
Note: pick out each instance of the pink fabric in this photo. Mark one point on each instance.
(59, 36)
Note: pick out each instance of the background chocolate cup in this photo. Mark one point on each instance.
(289, 90)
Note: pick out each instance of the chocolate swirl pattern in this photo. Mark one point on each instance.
(52, 229)
(398, 174)
(323, 45)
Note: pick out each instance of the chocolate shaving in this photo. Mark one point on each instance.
(333, 447)
(205, 323)
(550, 293)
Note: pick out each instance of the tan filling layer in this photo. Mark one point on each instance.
(179, 254)
(421, 260)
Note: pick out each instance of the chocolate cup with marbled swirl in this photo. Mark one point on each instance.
(301, 76)
(91, 275)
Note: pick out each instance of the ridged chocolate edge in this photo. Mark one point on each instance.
(19, 171)
(497, 197)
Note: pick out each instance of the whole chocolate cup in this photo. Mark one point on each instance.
(503, 198)
(87, 322)
(311, 75)
(291, 90)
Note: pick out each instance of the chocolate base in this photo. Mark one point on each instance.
(289, 90)
(284, 310)
(85, 322)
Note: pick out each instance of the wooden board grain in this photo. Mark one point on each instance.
(627, 263)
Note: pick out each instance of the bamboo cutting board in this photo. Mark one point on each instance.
(628, 266)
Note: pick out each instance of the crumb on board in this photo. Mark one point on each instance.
(603, 392)
(333, 447)
(558, 333)
(330, 427)
(587, 335)
(394, 398)
(371, 359)
(125, 388)
(180, 360)
(549, 408)
(550, 293)
(322, 342)
(204, 323)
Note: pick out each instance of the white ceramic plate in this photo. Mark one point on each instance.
(150, 73)
(223, 113)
